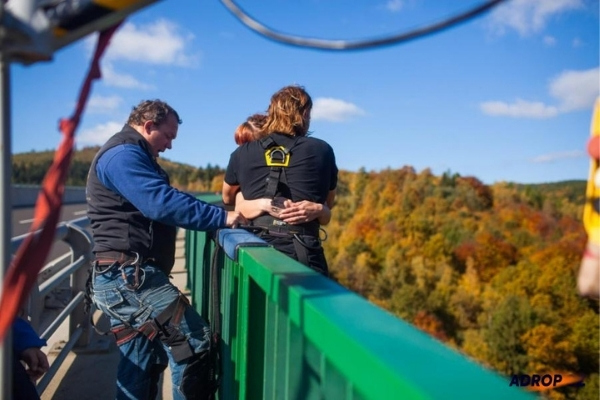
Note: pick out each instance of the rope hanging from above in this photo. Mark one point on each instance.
(30, 257)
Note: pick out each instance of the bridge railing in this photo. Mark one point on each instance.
(291, 333)
(63, 278)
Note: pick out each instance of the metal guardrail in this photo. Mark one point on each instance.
(291, 333)
(67, 272)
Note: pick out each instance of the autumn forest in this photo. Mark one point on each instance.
(488, 270)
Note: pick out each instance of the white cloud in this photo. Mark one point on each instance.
(549, 40)
(159, 43)
(576, 90)
(529, 16)
(394, 5)
(99, 134)
(546, 158)
(518, 109)
(113, 78)
(104, 104)
(335, 110)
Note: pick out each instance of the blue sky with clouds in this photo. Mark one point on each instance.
(507, 96)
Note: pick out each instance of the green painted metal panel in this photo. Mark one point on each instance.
(211, 198)
(255, 362)
(244, 326)
(198, 250)
(230, 333)
(290, 333)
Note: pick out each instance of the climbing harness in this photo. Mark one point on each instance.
(277, 157)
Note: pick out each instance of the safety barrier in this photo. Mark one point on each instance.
(291, 333)
(26, 195)
(65, 273)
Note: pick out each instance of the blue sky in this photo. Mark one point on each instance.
(507, 96)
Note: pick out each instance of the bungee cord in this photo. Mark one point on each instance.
(343, 45)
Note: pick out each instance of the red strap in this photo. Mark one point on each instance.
(29, 260)
(124, 334)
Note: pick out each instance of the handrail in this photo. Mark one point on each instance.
(71, 267)
(48, 376)
(62, 316)
(289, 332)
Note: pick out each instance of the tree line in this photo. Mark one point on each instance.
(31, 167)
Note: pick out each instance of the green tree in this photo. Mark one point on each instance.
(507, 323)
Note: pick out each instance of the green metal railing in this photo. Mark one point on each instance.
(291, 333)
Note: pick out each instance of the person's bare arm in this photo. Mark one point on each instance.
(251, 208)
(325, 215)
(330, 200)
(228, 193)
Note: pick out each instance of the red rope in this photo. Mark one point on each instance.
(23, 271)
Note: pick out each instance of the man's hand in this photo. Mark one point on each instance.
(37, 362)
(235, 219)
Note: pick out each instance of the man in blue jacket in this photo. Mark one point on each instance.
(134, 212)
(26, 348)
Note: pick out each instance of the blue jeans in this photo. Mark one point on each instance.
(143, 360)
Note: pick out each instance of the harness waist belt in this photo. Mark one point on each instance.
(104, 258)
(274, 225)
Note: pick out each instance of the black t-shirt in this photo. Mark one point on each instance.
(311, 173)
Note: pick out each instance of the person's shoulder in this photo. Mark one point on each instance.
(249, 147)
(20, 325)
(121, 153)
(316, 142)
(314, 139)
(125, 149)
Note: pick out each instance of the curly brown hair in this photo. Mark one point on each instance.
(289, 111)
(156, 111)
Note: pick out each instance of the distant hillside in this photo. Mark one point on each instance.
(488, 269)
(30, 168)
(558, 194)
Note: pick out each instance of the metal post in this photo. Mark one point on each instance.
(81, 246)
(5, 205)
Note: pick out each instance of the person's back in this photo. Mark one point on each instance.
(288, 164)
(310, 175)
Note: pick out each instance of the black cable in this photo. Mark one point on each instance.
(338, 45)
